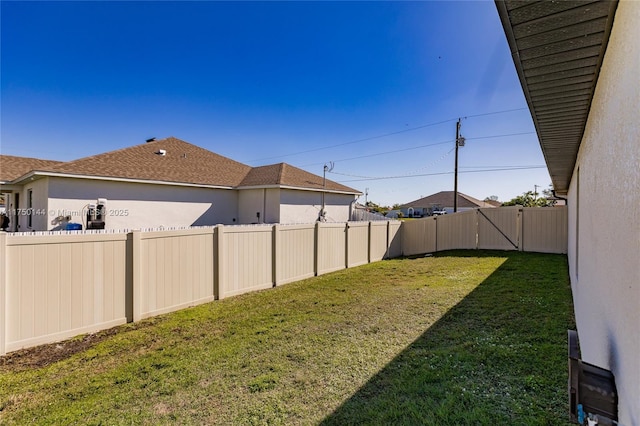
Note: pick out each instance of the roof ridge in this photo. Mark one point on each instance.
(179, 161)
(281, 171)
(115, 151)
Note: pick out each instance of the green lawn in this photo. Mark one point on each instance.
(463, 337)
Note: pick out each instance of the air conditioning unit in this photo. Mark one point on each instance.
(96, 214)
(593, 399)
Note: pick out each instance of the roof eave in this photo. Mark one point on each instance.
(566, 156)
(298, 188)
(38, 174)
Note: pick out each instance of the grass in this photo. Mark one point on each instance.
(462, 337)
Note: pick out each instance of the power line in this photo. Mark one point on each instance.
(501, 136)
(493, 167)
(384, 153)
(496, 112)
(419, 147)
(366, 178)
(355, 141)
(411, 129)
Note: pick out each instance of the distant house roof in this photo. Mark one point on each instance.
(494, 203)
(445, 199)
(283, 174)
(170, 160)
(13, 167)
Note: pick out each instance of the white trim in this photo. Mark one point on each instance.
(118, 179)
(9, 188)
(298, 188)
(36, 173)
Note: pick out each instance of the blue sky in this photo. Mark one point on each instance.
(375, 87)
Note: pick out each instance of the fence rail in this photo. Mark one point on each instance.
(55, 286)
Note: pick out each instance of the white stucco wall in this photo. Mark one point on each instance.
(39, 216)
(272, 212)
(251, 202)
(38, 210)
(266, 201)
(139, 205)
(304, 206)
(604, 218)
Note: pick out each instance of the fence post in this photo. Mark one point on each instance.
(218, 291)
(369, 243)
(387, 255)
(435, 218)
(477, 228)
(3, 291)
(316, 248)
(346, 245)
(275, 253)
(520, 228)
(136, 266)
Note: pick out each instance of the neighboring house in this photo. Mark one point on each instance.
(166, 183)
(442, 201)
(579, 66)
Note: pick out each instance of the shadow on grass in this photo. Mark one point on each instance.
(498, 357)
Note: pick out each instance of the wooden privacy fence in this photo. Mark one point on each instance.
(56, 286)
(532, 229)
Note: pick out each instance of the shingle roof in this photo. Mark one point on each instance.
(445, 199)
(183, 162)
(494, 203)
(13, 167)
(288, 175)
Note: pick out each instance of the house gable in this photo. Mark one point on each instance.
(287, 176)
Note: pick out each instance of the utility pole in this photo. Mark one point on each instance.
(326, 169)
(366, 197)
(455, 172)
(535, 192)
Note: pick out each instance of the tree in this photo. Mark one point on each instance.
(371, 206)
(529, 199)
(491, 198)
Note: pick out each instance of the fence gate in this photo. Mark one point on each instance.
(499, 229)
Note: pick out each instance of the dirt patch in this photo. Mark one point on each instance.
(44, 355)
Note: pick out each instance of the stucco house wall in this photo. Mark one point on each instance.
(142, 205)
(20, 220)
(285, 194)
(304, 206)
(133, 205)
(250, 204)
(263, 200)
(604, 217)
(272, 209)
